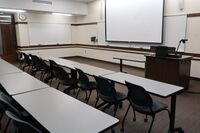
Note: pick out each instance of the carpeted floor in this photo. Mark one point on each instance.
(187, 109)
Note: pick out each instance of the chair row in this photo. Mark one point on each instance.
(137, 96)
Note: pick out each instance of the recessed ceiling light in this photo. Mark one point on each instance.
(62, 14)
(11, 10)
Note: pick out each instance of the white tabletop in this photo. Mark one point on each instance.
(88, 69)
(17, 83)
(92, 70)
(60, 113)
(7, 68)
(62, 62)
(155, 87)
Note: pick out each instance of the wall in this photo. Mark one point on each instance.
(22, 28)
(57, 6)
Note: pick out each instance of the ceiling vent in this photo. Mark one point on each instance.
(49, 2)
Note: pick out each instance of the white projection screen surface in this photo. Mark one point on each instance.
(134, 20)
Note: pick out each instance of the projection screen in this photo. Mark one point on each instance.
(134, 20)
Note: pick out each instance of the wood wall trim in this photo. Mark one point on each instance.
(100, 47)
(21, 22)
(193, 15)
(39, 47)
(81, 24)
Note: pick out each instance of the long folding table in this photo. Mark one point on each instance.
(17, 83)
(157, 88)
(7, 68)
(60, 113)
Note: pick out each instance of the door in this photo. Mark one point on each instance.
(8, 42)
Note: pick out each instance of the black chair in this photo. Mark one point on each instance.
(51, 74)
(20, 58)
(64, 79)
(35, 63)
(108, 94)
(85, 84)
(21, 125)
(142, 102)
(8, 103)
(27, 62)
(44, 68)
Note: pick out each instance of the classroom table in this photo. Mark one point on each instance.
(61, 113)
(93, 70)
(88, 69)
(157, 88)
(61, 62)
(126, 59)
(7, 68)
(17, 83)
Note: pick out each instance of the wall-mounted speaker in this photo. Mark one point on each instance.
(93, 39)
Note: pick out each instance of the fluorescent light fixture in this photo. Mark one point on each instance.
(11, 10)
(62, 14)
(3, 16)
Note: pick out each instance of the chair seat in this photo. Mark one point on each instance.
(68, 82)
(156, 107)
(90, 86)
(119, 97)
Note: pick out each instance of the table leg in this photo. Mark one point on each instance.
(172, 116)
(121, 69)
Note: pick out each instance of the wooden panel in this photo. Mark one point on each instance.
(173, 71)
(9, 41)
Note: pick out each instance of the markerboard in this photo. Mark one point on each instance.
(49, 33)
(174, 31)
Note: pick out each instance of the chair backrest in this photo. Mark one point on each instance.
(27, 59)
(22, 125)
(52, 63)
(20, 56)
(60, 73)
(9, 104)
(82, 77)
(34, 59)
(138, 96)
(105, 89)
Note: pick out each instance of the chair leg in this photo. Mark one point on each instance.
(151, 124)
(51, 82)
(107, 106)
(122, 129)
(134, 118)
(146, 118)
(58, 86)
(1, 116)
(86, 95)
(89, 97)
(5, 130)
(169, 114)
(78, 92)
(100, 105)
(115, 109)
(97, 100)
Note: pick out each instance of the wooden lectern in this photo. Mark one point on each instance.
(169, 69)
